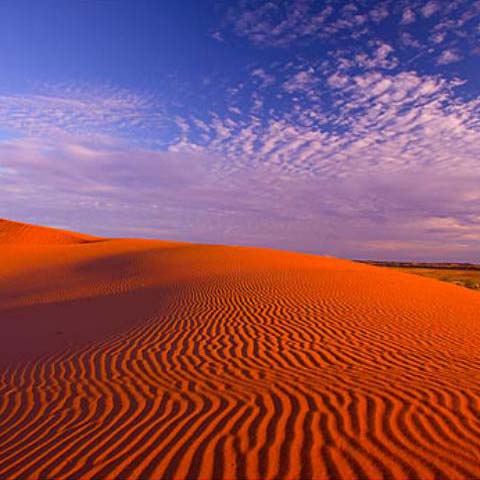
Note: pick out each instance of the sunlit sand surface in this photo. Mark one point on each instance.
(149, 359)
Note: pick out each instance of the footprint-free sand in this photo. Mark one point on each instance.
(156, 360)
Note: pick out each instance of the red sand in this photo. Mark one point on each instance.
(146, 359)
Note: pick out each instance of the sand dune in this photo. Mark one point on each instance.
(23, 234)
(144, 359)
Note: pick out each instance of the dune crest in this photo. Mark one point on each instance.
(17, 233)
(191, 361)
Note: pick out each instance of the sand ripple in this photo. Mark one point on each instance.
(246, 364)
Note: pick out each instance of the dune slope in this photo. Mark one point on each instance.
(143, 359)
(24, 234)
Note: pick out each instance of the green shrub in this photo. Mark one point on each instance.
(472, 284)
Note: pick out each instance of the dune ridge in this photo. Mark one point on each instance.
(18, 233)
(228, 362)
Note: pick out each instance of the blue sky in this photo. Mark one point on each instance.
(344, 128)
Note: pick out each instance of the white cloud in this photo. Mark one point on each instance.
(438, 37)
(379, 13)
(392, 166)
(448, 56)
(409, 40)
(337, 80)
(429, 8)
(381, 58)
(71, 111)
(266, 78)
(218, 37)
(408, 16)
(268, 23)
(299, 22)
(301, 81)
(379, 123)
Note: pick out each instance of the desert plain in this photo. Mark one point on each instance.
(145, 359)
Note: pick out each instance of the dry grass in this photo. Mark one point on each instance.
(463, 274)
(464, 278)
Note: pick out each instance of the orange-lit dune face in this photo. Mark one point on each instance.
(15, 233)
(144, 359)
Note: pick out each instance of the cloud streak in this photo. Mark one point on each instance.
(70, 111)
(181, 196)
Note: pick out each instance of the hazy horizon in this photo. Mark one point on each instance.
(349, 129)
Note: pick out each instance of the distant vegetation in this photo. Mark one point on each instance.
(463, 274)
